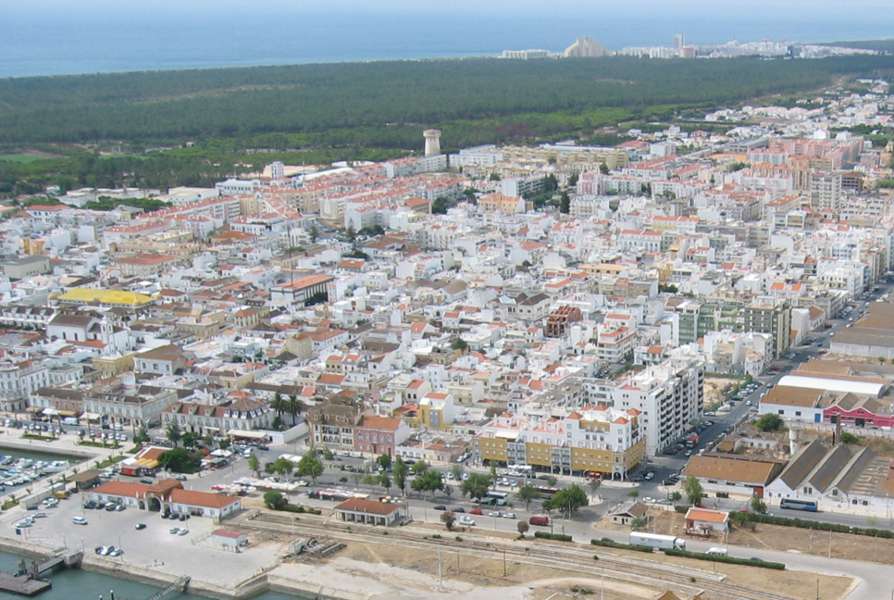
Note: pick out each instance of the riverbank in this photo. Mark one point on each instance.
(251, 588)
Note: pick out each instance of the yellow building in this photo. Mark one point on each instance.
(501, 203)
(104, 297)
(596, 440)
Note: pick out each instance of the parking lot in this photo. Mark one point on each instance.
(152, 547)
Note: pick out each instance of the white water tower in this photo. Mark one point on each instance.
(432, 142)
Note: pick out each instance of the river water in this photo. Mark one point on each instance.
(85, 585)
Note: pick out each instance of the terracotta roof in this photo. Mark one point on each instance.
(732, 469)
(707, 515)
(130, 489)
(381, 423)
(367, 506)
(204, 499)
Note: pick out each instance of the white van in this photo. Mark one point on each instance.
(716, 551)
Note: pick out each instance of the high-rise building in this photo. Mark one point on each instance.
(774, 317)
(432, 141)
(678, 41)
(277, 171)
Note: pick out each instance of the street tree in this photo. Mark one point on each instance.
(476, 485)
(384, 461)
(255, 465)
(568, 499)
(310, 466)
(399, 471)
(522, 527)
(758, 505)
(274, 500)
(448, 518)
(420, 467)
(430, 480)
(693, 490)
(527, 493)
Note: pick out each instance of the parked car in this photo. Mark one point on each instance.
(466, 521)
(459, 509)
(476, 511)
(139, 526)
(79, 520)
(440, 507)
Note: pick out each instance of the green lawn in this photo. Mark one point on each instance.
(25, 157)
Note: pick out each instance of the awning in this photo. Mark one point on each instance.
(249, 435)
(51, 412)
(89, 416)
(67, 413)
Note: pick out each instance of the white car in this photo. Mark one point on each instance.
(466, 520)
(79, 520)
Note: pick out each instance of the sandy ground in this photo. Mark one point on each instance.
(794, 539)
(785, 539)
(714, 388)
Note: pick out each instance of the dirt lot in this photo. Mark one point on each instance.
(806, 541)
(714, 387)
(777, 538)
(454, 565)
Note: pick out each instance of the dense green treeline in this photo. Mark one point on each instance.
(332, 98)
(106, 130)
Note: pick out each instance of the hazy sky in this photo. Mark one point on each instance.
(749, 8)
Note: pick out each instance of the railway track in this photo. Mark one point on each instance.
(654, 574)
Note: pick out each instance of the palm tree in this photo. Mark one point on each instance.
(173, 433)
(278, 404)
(295, 408)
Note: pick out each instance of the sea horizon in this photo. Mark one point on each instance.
(50, 45)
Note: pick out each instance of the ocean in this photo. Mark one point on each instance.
(51, 43)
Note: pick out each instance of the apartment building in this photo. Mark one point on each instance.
(594, 439)
(771, 316)
(669, 397)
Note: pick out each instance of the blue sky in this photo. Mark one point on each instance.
(805, 8)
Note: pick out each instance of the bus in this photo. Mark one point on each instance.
(808, 505)
(521, 471)
(498, 498)
(546, 490)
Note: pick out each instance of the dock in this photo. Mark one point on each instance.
(29, 579)
(23, 585)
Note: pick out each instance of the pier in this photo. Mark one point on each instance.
(174, 588)
(30, 580)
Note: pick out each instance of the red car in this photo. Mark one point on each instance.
(476, 511)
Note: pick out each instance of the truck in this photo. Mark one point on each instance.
(542, 520)
(658, 541)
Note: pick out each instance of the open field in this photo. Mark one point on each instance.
(791, 539)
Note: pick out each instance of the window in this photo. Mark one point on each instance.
(781, 411)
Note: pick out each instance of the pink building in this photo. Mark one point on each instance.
(380, 435)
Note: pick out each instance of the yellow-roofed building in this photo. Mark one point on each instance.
(104, 297)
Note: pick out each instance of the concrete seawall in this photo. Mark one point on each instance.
(249, 588)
